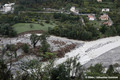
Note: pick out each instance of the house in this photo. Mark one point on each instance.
(105, 10)
(73, 10)
(91, 17)
(7, 7)
(104, 17)
(99, 0)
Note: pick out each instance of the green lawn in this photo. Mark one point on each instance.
(23, 27)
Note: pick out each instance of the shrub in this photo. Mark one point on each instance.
(11, 47)
(25, 48)
(47, 21)
(31, 26)
(41, 24)
(49, 55)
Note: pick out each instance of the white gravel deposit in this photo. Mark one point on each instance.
(86, 51)
(92, 49)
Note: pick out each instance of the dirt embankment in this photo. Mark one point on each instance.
(31, 32)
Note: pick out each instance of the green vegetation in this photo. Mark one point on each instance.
(7, 30)
(34, 39)
(63, 71)
(25, 48)
(23, 27)
(49, 55)
(70, 26)
(44, 44)
(28, 17)
(5, 73)
(95, 23)
(99, 70)
(43, 40)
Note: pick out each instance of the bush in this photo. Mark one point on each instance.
(25, 48)
(31, 25)
(12, 34)
(47, 21)
(49, 55)
(41, 24)
(11, 47)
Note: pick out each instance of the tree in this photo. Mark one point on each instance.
(110, 70)
(31, 25)
(5, 73)
(34, 70)
(95, 70)
(67, 70)
(60, 73)
(25, 48)
(44, 44)
(12, 48)
(6, 29)
(103, 29)
(34, 39)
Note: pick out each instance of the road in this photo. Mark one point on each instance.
(56, 12)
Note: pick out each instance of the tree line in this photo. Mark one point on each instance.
(74, 28)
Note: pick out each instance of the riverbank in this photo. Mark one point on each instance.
(93, 49)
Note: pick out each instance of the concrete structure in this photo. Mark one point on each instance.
(104, 17)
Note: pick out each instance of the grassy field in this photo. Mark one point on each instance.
(23, 27)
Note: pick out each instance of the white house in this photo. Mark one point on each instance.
(105, 10)
(72, 9)
(7, 7)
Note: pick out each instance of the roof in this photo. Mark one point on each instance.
(91, 17)
(72, 9)
(104, 15)
(106, 9)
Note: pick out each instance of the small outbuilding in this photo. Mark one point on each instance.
(91, 17)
